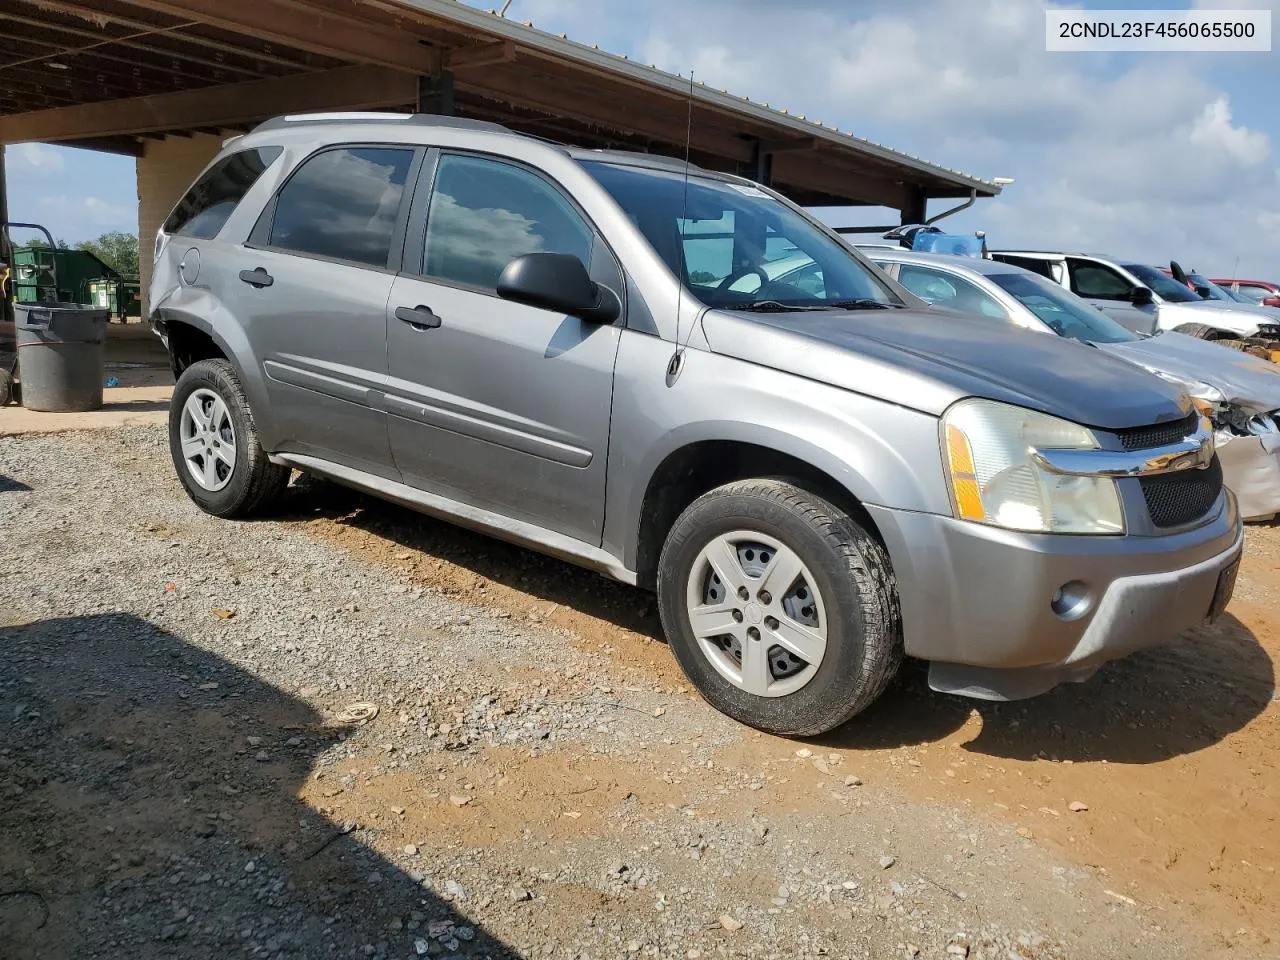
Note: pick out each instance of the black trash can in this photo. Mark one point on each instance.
(61, 355)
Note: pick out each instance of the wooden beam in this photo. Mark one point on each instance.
(97, 36)
(623, 118)
(124, 146)
(806, 170)
(483, 55)
(347, 88)
(317, 31)
(788, 146)
(77, 9)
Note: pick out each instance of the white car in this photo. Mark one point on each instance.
(1139, 296)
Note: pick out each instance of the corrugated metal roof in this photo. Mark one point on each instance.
(590, 54)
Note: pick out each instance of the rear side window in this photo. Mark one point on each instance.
(1034, 264)
(1095, 280)
(485, 213)
(209, 203)
(343, 204)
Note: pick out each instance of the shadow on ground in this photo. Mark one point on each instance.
(1161, 703)
(1165, 702)
(10, 485)
(139, 819)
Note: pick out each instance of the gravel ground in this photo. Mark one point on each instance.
(187, 769)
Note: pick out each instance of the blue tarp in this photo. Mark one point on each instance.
(955, 244)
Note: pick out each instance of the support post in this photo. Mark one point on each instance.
(435, 94)
(761, 164)
(6, 252)
(916, 207)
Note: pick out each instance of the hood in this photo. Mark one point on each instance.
(928, 359)
(1244, 380)
(1232, 306)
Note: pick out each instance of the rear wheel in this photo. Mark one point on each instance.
(781, 609)
(215, 447)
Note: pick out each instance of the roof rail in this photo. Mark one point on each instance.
(637, 157)
(417, 119)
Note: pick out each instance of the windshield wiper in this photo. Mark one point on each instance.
(773, 306)
(859, 303)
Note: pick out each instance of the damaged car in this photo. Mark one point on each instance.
(1240, 394)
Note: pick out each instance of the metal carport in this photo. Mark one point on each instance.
(166, 80)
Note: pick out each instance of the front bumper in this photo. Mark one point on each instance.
(978, 601)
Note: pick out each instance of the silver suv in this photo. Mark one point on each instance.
(592, 354)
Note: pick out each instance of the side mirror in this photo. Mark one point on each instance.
(559, 282)
(1141, 296)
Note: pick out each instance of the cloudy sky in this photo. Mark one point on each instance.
(1149, 156)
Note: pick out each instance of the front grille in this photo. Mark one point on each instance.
(1177, 498)
(1158, 434)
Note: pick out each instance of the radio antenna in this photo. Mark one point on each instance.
(677, 359)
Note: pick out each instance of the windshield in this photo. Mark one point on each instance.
(1062, 312)
(1215, 291)
(1165, 287)
(737, 247)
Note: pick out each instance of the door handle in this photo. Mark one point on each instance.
(258, 277)
(419, 317)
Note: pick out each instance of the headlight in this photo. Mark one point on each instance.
(995, 481)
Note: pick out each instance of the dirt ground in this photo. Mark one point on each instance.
(178, 778)
(1175, 752)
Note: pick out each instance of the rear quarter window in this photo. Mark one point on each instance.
(207, 206)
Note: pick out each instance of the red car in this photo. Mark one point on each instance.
(1259, 291)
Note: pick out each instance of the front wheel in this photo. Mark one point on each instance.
(781, 609)
(215, 445)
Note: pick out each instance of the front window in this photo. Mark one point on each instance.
(1065, 315)
(1165, 287)
(485, 213)
(737, 247)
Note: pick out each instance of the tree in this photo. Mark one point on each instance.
(117, 250)
(42, 243)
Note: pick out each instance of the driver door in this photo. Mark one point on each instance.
(495, 404)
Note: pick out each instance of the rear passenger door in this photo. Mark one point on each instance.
(313, 283)
(495, 404)
(1110, 292)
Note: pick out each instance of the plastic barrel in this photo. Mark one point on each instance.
(61, 358)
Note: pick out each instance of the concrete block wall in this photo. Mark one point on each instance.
(165, 170)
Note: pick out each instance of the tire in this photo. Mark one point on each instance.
(6, 387)
(854, 594)
(251, 483)
(1202, 331)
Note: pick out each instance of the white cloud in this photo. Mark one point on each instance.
(89, 211)
(38, 159)
(1214, 130)
(1139, 155)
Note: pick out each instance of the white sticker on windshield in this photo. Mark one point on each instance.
(749, 191)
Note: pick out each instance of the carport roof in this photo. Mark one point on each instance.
(109, 73)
